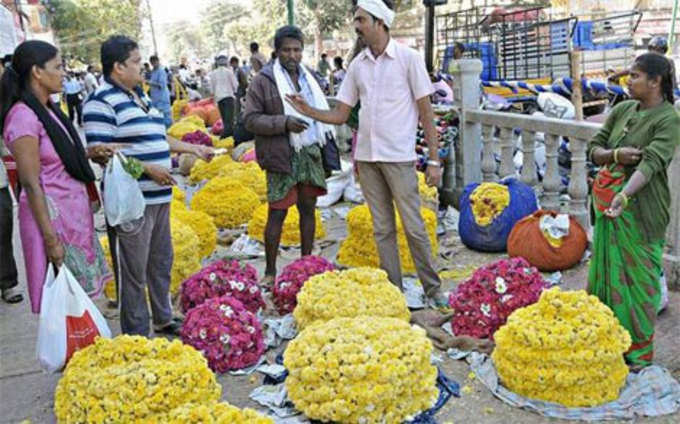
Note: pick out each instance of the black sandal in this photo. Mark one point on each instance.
(12, 296)
(171, 329)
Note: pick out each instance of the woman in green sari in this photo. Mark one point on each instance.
(631, 200)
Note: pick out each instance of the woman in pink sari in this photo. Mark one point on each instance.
(55, 216)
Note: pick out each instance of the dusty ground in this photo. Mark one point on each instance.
(27, 393)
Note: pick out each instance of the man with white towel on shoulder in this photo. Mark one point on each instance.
(287, 144)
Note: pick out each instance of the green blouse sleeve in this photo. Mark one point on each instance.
(601, 139)
(657, 155)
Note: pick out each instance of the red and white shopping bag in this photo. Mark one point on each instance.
(69, 320)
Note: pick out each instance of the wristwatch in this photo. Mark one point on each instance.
(433, 163)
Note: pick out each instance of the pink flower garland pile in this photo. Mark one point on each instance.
(293, 277)
(225, 332)
(483, 303)
(222, 278)
(197, 137)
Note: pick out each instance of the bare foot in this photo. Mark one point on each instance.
(267, 282)
(432, 321)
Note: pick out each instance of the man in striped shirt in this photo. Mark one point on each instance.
(119, 112)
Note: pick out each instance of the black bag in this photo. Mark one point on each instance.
(241, 134)
(330, 155)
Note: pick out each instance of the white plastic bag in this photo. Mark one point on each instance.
(335, 186)
(69, 320)
(353, 192)
(123, 199)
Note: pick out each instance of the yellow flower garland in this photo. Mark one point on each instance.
(249, 174)
(359, 248)
(567, 348)
(428, 195)
(203, 170)
(131, 379)
(186, 255)
(350, 293)
(110, 285)
(229, 202)
(361, 370)
(176, 109)
(290, 235)
(488, 201)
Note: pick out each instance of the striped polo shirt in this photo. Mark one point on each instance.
(111, 115)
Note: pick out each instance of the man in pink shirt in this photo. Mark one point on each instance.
(394, 88)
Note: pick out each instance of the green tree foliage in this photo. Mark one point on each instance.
(216, 16)
(82, 25)
(186, 39)
(260, 23)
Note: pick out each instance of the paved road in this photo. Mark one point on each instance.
(27, 393)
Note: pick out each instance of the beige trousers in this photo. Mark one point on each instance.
(384, 185)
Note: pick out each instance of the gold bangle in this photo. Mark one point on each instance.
(625, 199)
(616, 155)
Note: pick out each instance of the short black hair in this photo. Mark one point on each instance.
(154, 58)
(337, 60)
(116, 49)
(254, 46)
(287, 31)
(460, 46)
(234, 59)
(324, 55)
(90, 68)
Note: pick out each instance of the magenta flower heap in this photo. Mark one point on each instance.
(483, 303)
(225, 332)
(293, 277)
(197, 137)
(222, 278)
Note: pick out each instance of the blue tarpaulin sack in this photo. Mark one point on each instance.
(494, 237)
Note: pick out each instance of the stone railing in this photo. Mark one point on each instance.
(486, 135)
(554, 129)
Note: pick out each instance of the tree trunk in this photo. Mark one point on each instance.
(318, 38)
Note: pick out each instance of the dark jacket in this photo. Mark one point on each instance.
(264, 117)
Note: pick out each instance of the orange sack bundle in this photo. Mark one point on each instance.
(543, 251)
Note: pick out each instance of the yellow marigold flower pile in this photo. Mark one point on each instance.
(290, 235)
(249, 174)
(361, 370)
(203, 226)
(132, 379)
(350, 293)
(229, 202)
(567, 348)
(359, 248)
(178, 194)
(185, 126)
(186, 255)
(488, 201)
(216, 412)
(428, 195)
(224, 143)
(109, 286)
(203, 170)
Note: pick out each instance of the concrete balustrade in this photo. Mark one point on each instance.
(487, 135)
